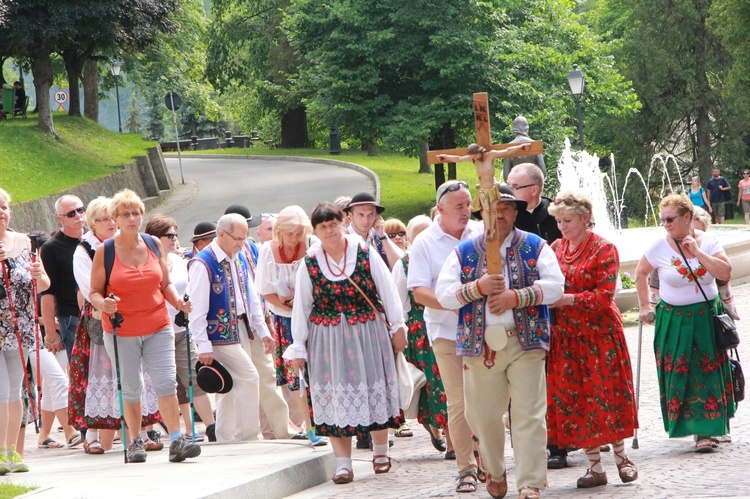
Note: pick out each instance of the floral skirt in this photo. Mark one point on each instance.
(92, 392)
(695, 382)
(590, 393)
(285, 373)
(433, 408)
(352, 378)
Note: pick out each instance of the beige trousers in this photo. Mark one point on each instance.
(237, 411)
(271, 400)
(518, 375)
(452, 374)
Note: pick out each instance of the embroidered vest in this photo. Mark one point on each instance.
(521, 256)
(221, 319)
(333, 298)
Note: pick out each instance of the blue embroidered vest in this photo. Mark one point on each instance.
(521, 256)
(221, 318)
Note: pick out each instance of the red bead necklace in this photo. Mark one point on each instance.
(283, 257)
(343, 269)
(570, 258)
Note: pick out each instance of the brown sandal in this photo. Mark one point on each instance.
(626, 469)
(497, 489)
(343, 477)
(380, 468)
(529, 493)
(592, 478)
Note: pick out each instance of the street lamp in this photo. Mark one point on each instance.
(576, 82)
(115, 67)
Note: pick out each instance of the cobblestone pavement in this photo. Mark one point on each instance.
(667, 467)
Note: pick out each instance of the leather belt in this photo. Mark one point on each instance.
(244, 318)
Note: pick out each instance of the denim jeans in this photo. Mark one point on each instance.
(68, 325)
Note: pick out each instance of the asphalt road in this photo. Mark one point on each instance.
(264, 186)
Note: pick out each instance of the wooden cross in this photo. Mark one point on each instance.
(484, 139)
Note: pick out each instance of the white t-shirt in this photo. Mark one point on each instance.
(179, 277)
(426, 258)
(676, 285)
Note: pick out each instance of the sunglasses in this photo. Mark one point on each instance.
(400, 233)
(746, 173)
(170, 235)
(669, 220)
(453, 188)
(72, 213)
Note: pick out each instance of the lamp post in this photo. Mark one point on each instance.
(115, 67)
(576, 81)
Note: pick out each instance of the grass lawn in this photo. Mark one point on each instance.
(8, 490)
(404, 192)
(34, 165)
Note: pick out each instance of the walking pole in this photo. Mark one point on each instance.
(190, 373)
(6, 276)
(37, 335)
(116, 319)
(651, 317)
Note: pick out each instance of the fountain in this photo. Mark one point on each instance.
(580, 170)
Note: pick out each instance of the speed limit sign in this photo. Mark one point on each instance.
(61, 97)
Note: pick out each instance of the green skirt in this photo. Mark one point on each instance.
(695, 382)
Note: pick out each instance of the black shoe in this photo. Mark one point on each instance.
(154, 435)
(180, 449)
(364, 441)
(211, 432)
(450, 455)
(557, 462)
(438, 443)
(197, 418)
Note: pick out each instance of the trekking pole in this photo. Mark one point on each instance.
(651, 317)
(116, 319)
(37, 335)
(6, 276)
(190, 373)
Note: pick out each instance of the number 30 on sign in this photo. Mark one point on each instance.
(61, 97)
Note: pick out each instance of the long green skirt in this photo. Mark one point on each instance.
(695, 383)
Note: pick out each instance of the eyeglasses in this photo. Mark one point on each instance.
(453, 188)
(106, 220)
(669, 220)
(519, 187)
(400, 233)
(236, 239)
(171, 235)
(263, 216)
(72, 213)
(128, 214)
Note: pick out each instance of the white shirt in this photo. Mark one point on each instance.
(399, 279)
(199, 289)
(426, 258)
(551, 280)
(179, 277)
(275, 278)
(82, 264)
(303, 300)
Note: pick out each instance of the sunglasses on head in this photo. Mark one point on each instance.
(453, 188)
(72, 213)
(400, 233)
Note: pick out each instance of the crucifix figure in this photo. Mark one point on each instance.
(483, 154)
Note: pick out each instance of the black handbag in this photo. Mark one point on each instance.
(725, 330)
(738, 378)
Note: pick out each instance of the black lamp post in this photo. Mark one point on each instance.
(576, 81)
(115, 67)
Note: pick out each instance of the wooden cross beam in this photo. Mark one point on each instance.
(485, 172)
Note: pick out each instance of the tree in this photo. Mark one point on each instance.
(133, 120)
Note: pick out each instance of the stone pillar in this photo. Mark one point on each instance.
(163, 179)
(147, 176)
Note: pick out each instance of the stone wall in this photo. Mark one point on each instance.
(146, 175)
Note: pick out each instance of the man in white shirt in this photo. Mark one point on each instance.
(225, 306)
(429, 251)
(364, 213)
(502, 337)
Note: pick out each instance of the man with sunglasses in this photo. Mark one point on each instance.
(61, 299)
(527, 181)
(429, 251)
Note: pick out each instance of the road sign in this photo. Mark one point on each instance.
(61, 97)
(173, 101)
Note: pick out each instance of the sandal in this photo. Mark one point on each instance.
(592, 478)
(50, 444)
(704, 445)
(467, 483)
(438, 443)
(724, 439)
(529, 493)
(341, 478)
(497, 489)
(481, 475)
(75, 439)
(380, 468)
(626, 469)
(404, 431)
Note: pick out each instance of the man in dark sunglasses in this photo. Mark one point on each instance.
(61, 299)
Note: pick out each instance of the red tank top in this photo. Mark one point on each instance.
(142, 303)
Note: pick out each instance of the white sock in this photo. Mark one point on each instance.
(92, 435)
(343, 464)
(380, 450)
(144, 435)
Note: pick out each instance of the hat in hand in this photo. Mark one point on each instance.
(364, 199)
(244, 211)
(204, 230)
(213, 378)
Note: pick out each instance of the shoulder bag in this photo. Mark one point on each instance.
(724, 327)
(738, 378)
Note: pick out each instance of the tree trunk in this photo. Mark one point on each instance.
(424, 166)
(73, 66)
(2, 63)
(91, 90)
(41, 68)
(372, 147)
(294, 128)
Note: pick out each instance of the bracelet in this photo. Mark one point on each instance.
(479, 289)
(50, 343)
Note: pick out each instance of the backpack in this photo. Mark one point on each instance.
(109, 254)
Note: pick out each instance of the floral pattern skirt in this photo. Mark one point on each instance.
(590, 394)
(433, 408)
(352, 379)
(285, 373)
(92, 392)
(695, 382)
